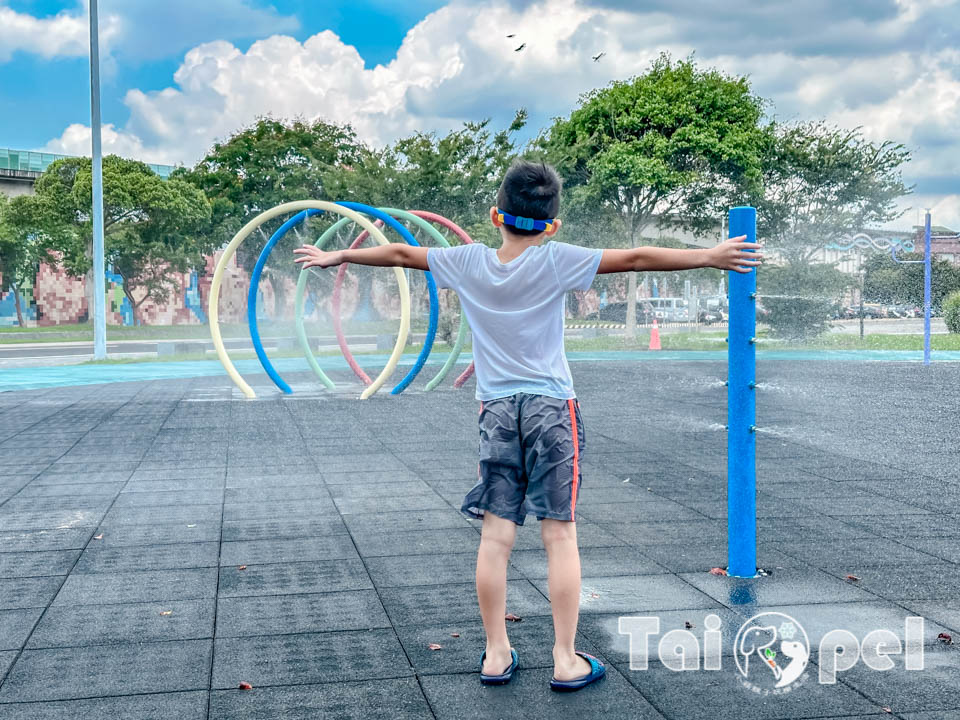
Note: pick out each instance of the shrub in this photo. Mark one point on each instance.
(951, 311)
(799, 299)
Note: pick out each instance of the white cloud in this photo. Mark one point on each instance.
(457, 65)
(64, 34)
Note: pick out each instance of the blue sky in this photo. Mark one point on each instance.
(181, 74)
(43, 95)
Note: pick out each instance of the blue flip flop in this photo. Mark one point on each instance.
(504, 677)
(597, 671)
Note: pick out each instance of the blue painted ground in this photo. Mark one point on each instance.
(63, 376)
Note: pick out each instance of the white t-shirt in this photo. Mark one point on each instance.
(516, 312)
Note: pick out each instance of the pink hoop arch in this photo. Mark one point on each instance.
(338, 285)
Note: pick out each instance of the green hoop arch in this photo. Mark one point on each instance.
(301, 292)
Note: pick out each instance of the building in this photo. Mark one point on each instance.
(19, 169)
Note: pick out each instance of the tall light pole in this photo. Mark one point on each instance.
(99, 269)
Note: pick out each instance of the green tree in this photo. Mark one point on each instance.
(22, 245)
(888, 281)
(152, 227)
(271, 162)
(677, 140)
(821, 183)
(456, 175)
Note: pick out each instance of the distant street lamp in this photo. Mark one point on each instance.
(99, 268)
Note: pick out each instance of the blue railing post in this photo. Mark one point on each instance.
(926, 289)
(741, 409)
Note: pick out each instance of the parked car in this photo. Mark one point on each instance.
(617, 312)
(670, 309)
(708, 317)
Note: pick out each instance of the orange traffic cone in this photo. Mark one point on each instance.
(654, 336)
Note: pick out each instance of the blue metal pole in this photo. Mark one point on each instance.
(99, 269)
(926, 289)
(741, 409)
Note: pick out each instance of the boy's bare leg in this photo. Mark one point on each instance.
(563, 581)
(496, 542)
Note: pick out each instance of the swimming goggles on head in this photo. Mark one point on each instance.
(523, 223)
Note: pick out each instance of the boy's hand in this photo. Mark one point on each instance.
(312, 256)
(734, 254)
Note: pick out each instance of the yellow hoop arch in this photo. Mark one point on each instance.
(293, 207)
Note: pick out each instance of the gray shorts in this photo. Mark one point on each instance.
(530, 451)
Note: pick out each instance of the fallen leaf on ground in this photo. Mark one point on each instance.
(166, 612)
(435, 646)
(98, 537)
(242, 567)
(246, 686)
(454, 634)
(945, 638)
(853, 578)
(512, 618)
(718, 571)
(689, 625)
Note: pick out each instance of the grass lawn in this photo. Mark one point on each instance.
(715, 341)
(84, 331)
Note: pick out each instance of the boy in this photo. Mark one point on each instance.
(531, 432)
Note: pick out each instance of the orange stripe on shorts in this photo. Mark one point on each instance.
(576, 458)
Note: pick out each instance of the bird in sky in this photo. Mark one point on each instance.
(521, 47)
(596, 58)
(512, 35)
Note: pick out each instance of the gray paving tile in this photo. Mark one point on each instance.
(308, 658)
(94, 490)
(32, 592)
(419, 501)
(37, 563)
(528, 696)
(399, 699)
(77, 625)
(639, 593)
(532, 638)
(15, 626)
(935, 580)
(314, 507)
(294, 578)
(327, 524)
(426, 542)
(63, 674)
(180, 705)
(933, 688)
(452, 603)
(138, 497)
(121, 536)
(318, 612)
(783, 587)
(406, 521)
(283, 550)
(944, 612)
(100, 558)
(48, 520)
(139, 586)
(596, 561)
(164, 515)
(603, 630)
(720, 693)
(855, 554)
(6, 661)
(442, 569)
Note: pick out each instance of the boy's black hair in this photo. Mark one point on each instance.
(530, 190)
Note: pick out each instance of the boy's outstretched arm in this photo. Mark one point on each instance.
(392, 255)
(730, 255)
